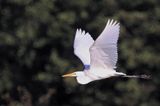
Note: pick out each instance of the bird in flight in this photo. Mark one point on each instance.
(100, 56)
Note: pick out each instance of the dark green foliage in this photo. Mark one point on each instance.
(36, 38)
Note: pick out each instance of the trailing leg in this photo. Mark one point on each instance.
(137, 76)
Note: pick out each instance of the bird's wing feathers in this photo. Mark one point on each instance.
(82, 43)
(104, 50)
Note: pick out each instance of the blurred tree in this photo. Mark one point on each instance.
(36, 38)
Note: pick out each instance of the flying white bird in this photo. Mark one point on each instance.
(100, 56)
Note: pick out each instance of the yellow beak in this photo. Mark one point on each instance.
(70, 75)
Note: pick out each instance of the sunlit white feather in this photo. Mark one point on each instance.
(104, 50)
(82, 43)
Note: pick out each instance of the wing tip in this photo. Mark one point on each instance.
(112, 22)
(81, 32)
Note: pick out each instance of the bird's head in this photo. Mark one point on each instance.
(80, 76)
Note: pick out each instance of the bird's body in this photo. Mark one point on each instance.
(100, 56)
(87, 76)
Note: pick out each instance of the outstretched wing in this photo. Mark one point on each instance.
(104, 50)
(82, 43)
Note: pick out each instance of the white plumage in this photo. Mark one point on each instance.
(82, 43)
(105, 47)
(100, 55)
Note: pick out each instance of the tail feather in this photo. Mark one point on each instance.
(138, 76)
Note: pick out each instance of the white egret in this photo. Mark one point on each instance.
(100, 56)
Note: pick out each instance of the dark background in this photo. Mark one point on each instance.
(36, 38)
